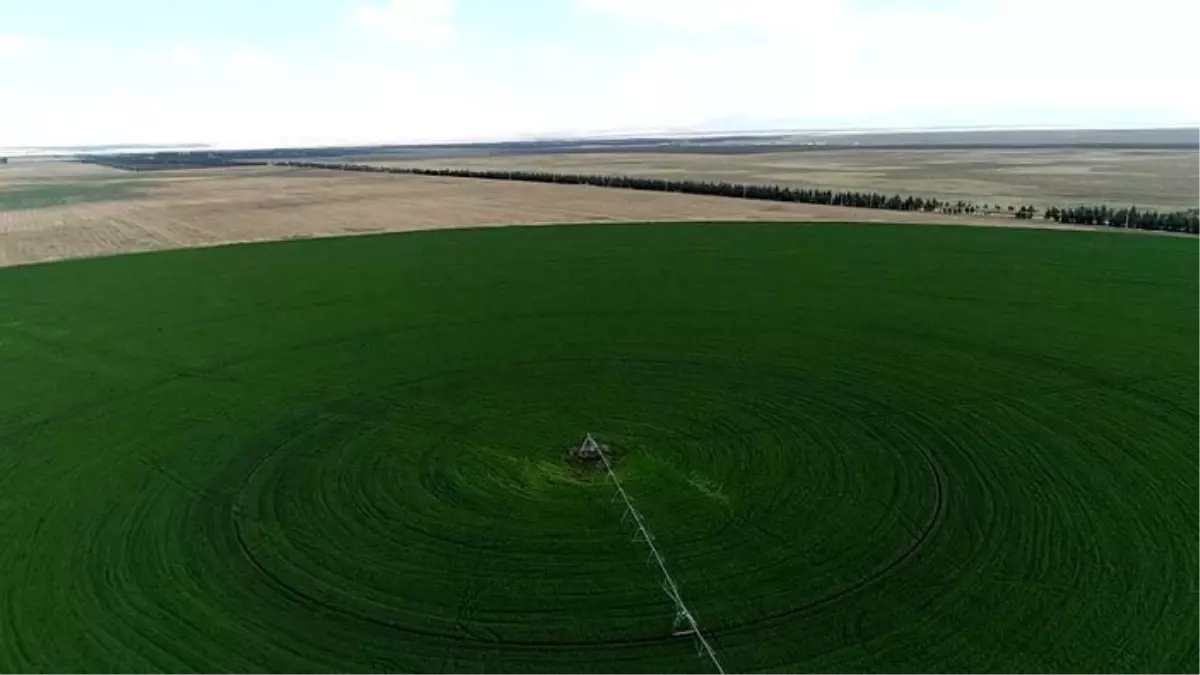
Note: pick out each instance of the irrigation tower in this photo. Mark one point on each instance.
(685, 622)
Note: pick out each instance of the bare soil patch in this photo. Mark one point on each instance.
(212, 207)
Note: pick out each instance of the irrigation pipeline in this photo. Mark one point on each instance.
(683, 615)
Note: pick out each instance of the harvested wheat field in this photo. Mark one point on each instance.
(1164, 179)
(55, 210)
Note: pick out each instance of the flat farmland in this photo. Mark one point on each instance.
(54, 210)
(1164, 179)
(860, 448)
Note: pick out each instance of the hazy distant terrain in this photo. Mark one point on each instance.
(68, 150)
(1121, 139)
(1157, 168)
(1173, 138)
(1165, 179)
(1154, 168)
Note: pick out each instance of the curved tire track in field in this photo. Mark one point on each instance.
(846, 471)
(715, 626)
(935, 518)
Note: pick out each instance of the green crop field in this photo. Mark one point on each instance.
(860, 448)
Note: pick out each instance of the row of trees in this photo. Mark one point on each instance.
(166, 161)
(868, 200)
(1177, 221)
(1187, 221)
(1131, 217)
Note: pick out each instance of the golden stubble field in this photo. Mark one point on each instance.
(126, 211)
(1163, 179)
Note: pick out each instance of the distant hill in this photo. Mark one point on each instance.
(1130, 139)
(68, 150)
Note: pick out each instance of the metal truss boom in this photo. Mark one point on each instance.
(683, 615)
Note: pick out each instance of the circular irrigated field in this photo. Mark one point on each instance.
(859, 448)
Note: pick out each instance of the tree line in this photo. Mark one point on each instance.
(167, 161)
(1131, 217)
(869, 200)
(1187, 221)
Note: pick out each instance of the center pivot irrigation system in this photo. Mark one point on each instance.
(685, 621)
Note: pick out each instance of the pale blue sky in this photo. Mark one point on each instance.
(263, 72)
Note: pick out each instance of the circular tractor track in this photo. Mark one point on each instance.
(351, 455)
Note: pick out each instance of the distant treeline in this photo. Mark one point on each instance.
(1132, 217)
(1142, 219)
(167, 161)
(1187, 221)
(868, 200)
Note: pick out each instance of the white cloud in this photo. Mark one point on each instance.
(800, 20)
(185, 56)
(641, 65)
(18, 44)
(424, 22)
(553, 54)
(250, 63)
(829, 61)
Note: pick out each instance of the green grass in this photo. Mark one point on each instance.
(40, 196)
(861, 448)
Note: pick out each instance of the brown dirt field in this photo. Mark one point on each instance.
(1164, 179)
(212, 207)
(20, 172)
